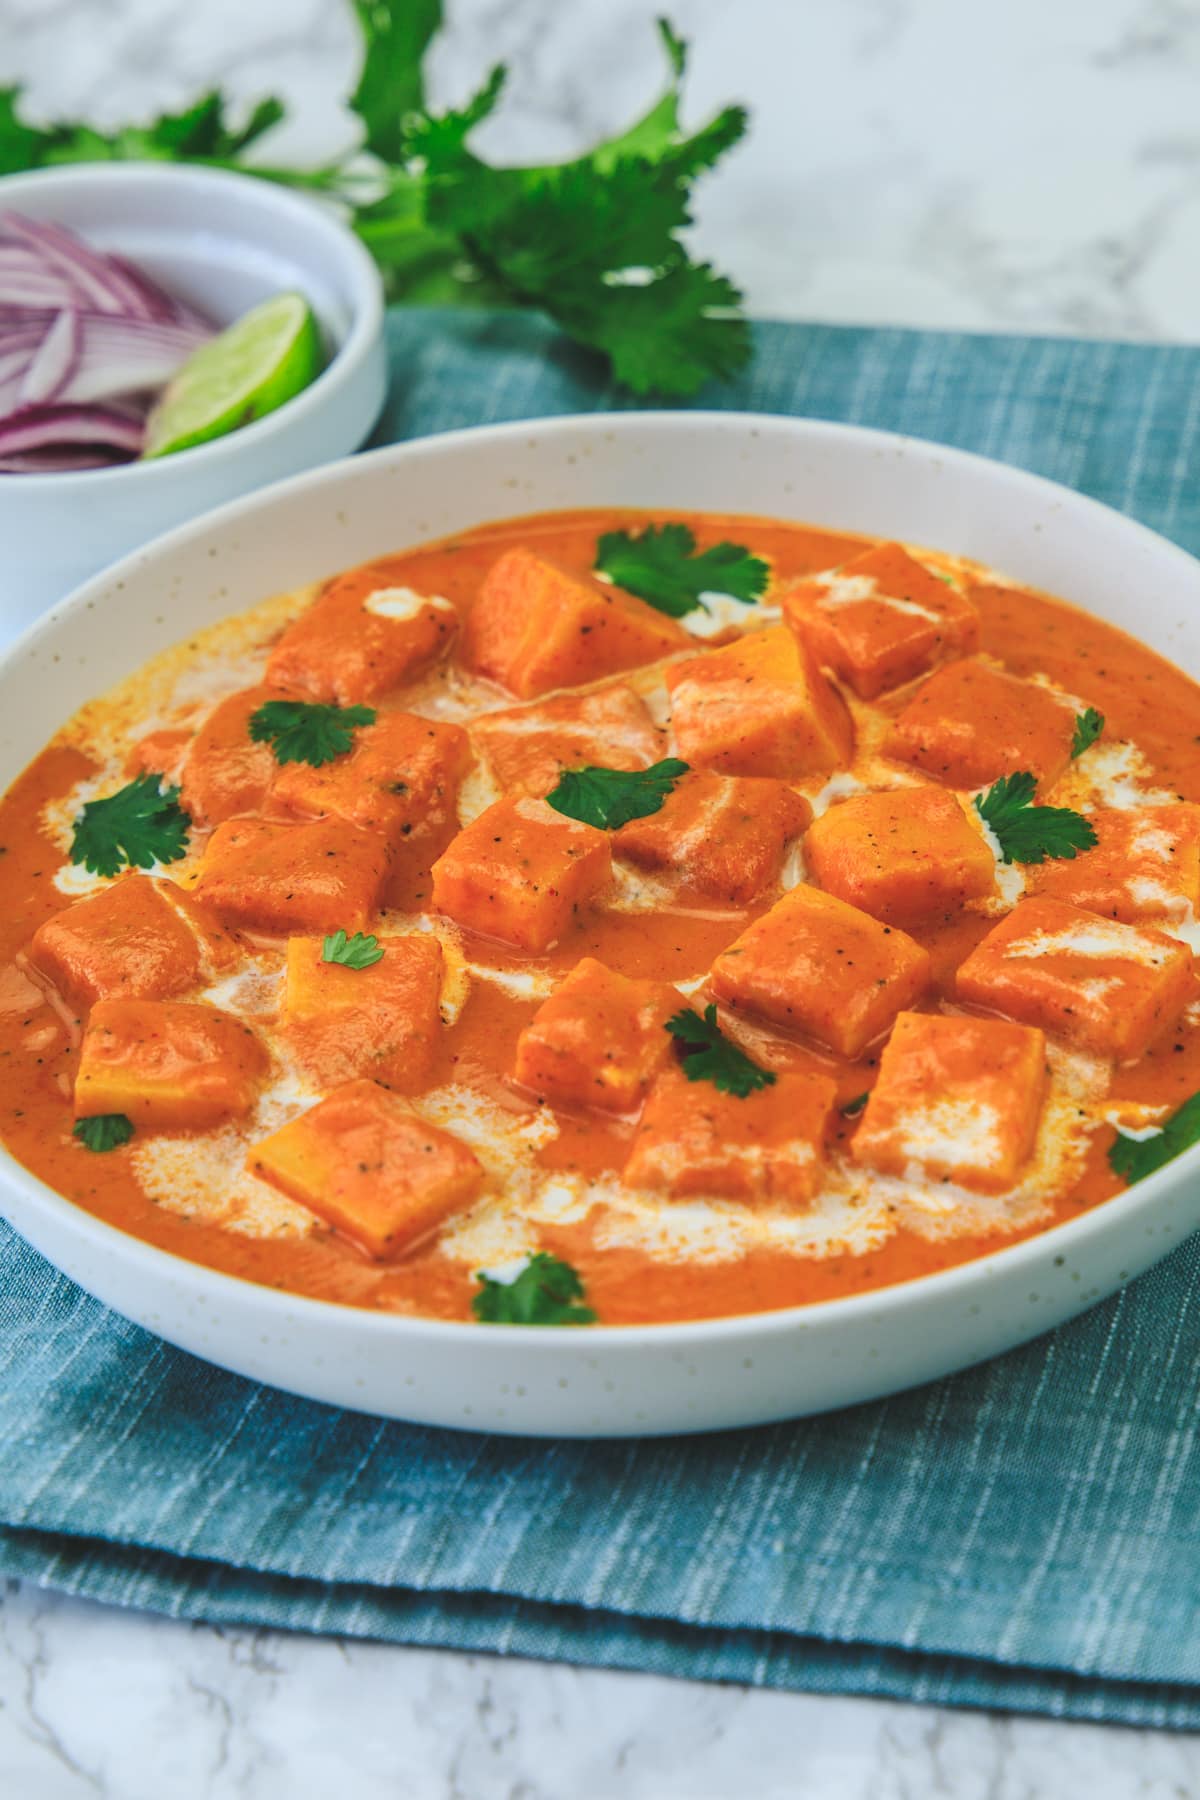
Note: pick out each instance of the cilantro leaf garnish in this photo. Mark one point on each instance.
(307, 731)
(546, 1292)
(597, 243)
(710, 1056)
(1027, 833)
(1135, 1158)
(1088, 726)
(660, 565)
(104, 1131)
(358, 952)
(611, 797)
(138, 826)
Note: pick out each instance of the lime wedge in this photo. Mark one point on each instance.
(269, 355)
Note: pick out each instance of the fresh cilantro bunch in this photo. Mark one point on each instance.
(594, 242)
(661, 566)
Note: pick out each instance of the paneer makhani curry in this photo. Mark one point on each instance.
(598, 918)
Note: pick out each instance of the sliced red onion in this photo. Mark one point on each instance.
(19, 341)
(50, 427)
(160, 304)
(127, 356)
(24, 282)
(62, 460)
(55, 361)
(95, 282)
(15, 358)
(40, 317)
(86, 342)
(44, 253)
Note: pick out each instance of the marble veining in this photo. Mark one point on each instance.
(1024, 167)
(919, 162)
(100, 1705)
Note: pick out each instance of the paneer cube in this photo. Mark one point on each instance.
(528, 747)
(401, 771)
(168, 1065)
(599, 1040)
(521, 872)
(366, 635)
(903, 856)
(138, 940)
(1146, 865)
(970, 723)
(534, 627)
(695, 1140)
(1096, 983)
(281, 878)
(881, 619)
(382, 1021)
(368, 1165)
(956, 1100)
(759, 706)
(159, 753)
(817, 966)
(723, 836)
(225, 773)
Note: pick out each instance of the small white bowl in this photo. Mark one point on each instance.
(223, 242)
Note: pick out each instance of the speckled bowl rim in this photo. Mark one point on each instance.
(287, 1308)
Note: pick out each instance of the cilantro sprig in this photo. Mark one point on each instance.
(1027, 833)
(1088, 726)
(201, 132)
(138, 826)
(308, 731)
(103, 1131)
(361, 951)
(661, 566)
(609, 798)
(710, 1056)
(596, 243)
(546, 1292)
(1135, 1158)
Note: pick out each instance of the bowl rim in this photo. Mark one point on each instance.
(340, 243)
(282, 1306)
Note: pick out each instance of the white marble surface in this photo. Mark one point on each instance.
(94, 1703)
(1030, 166)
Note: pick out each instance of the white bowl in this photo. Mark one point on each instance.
(222, 241)
(597, 1380)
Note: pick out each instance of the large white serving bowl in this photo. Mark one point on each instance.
(635, 1380)
(222, 241)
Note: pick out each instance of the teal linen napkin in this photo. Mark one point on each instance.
(1025, 1535)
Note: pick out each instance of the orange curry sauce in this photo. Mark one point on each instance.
(627, 1278)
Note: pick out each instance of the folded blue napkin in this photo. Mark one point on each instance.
(1025, 1535)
